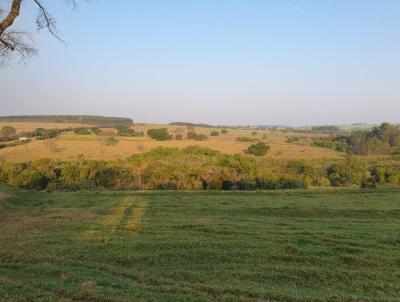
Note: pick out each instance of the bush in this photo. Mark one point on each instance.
(42, 133)
(196, 137)
(291, 140)
(82, 131)
(111, 141)
(201, 137)
(194, 168)
(178, 137)
(246, 139)
(214, 133)
(224, 131)
(96, 131)
(191, 135)
(160, 134)
(8, 131)
(259, 149)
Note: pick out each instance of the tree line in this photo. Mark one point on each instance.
(100, 121)
(383, 140)
(195, 168)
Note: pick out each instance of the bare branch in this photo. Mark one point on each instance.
(16, 41)
(45, 20)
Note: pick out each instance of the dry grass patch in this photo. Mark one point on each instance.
(69, 145)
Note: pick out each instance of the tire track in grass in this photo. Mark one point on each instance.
(126, 217)
(134, 223)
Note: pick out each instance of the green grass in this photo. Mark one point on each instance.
(333, 245)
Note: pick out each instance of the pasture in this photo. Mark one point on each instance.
(69, 145)
(323, 245)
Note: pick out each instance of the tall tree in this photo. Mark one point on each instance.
(19, 43)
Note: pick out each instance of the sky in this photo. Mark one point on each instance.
(225, 62)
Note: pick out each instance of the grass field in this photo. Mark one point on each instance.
(30, 126)
(68, 146)
(332, 245)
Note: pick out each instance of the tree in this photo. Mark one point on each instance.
(16, 42)
(160, 134)
(191, 135)
(8, 131)
(259, 149)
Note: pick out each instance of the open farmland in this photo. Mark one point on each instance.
(31, 126)
(69, 145)
(331, 245)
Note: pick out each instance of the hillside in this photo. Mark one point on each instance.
(69, 145)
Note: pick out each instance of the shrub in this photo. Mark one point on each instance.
(224, 131)
(124, 130)
(246, 139)
(111, 141)
(214, 133)
(194, 168)
(160, 134)
(8, 131)
(196, 137)
(178, 137)
(82, 131)
(201, 137)
(96, 131)
(191, 135)
(291, 140)
(42, 133)
(259, 149)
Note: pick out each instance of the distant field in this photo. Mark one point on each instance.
(30, 126)
(68, 146)
(332, 245)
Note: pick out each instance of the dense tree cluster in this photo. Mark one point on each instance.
(339, 143)
(126, 130)
(382, 140)
(42, 133)
(193, 168)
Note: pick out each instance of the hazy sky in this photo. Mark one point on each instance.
(214, 61)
